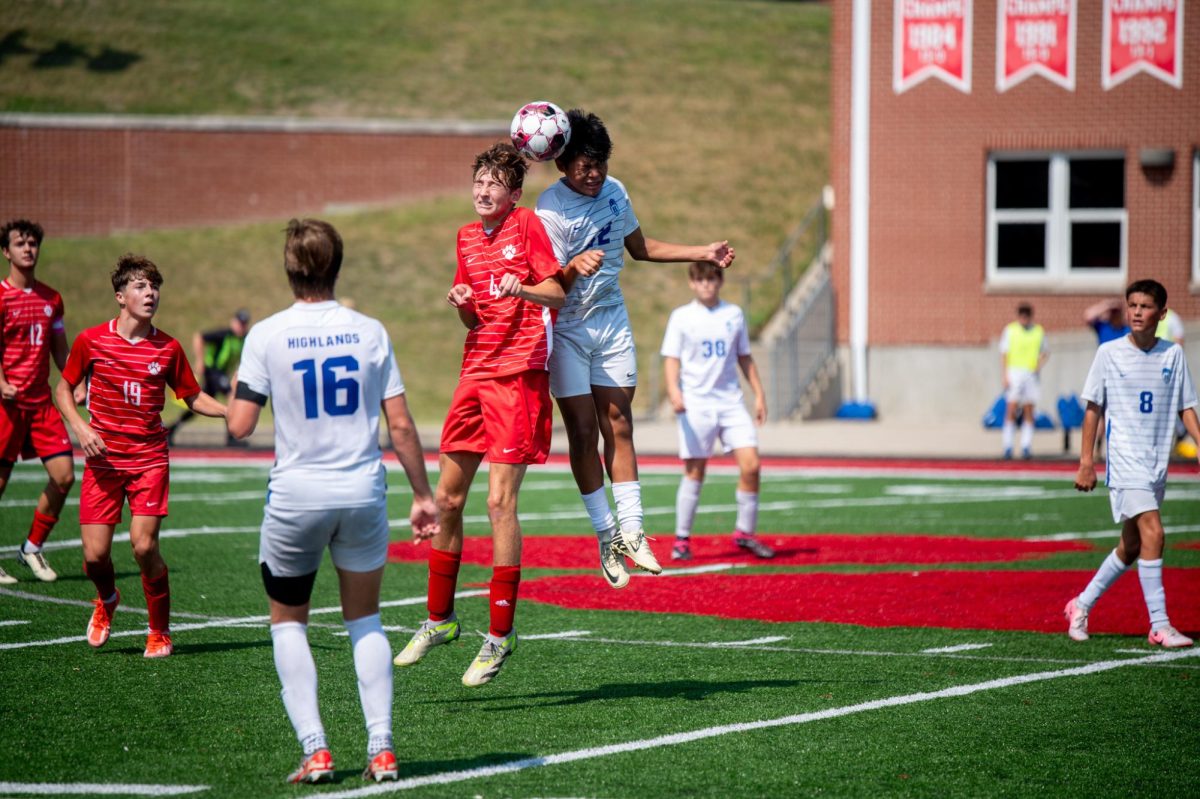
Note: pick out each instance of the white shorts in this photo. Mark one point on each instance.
(1129, 502)
(1024, 388)
(597, 351)
(292, 542)
(699, 429)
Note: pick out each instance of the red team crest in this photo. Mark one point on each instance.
(932, 39)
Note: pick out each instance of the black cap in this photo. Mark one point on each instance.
(242, 315)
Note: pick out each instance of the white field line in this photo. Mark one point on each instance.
(13, 622)
(86, 603)
(675, 739)
(769, 639)
(958, 648)
(552, 636)
(177, 628)
(712, 567)
(95, 789)
(1112, 532)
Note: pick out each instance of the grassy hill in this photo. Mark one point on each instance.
(718, 109)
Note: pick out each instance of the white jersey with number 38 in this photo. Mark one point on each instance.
(707, 342)
(1142, 394)
(326, 369)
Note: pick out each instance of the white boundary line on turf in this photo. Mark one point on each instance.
(96, 789)
(674, 739)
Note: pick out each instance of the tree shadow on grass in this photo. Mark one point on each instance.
(66, 54)
(13, 43)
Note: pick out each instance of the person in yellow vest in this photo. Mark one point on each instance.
(1171, 329)
(1022, 356)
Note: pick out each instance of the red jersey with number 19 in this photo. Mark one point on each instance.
(126, 389)
(29, 317)
(513, 335)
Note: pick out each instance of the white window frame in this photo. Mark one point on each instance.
(1196, 219)
(1057, 274)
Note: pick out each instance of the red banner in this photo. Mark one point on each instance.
(1142, 36)
(932, 39)
(1035, 37)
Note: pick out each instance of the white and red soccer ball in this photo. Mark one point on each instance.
(540, 130)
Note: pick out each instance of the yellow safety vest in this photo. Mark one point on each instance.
(1024, 346)
(1164, 329)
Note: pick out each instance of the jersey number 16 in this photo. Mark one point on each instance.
(339, 395)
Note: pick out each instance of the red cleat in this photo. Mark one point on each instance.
(158, 645)
(382, 767)
(317, 767)
(100, 625)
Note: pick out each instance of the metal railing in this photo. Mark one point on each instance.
(761, 298)
(799, 341)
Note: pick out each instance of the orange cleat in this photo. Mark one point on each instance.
(317, 767)
(100, 625)
(158, 645)
(382, 767)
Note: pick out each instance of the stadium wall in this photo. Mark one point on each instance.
(95, 175)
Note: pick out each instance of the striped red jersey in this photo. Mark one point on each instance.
(126, 389)
(513, 335)
(31, 317)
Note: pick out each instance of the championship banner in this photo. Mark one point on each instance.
(1142, 36)
(1035, 37)
(931, 39)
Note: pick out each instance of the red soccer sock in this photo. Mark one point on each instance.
(503, 602)
(39, 531)
(158, 601)
(103, 576)
(443, 579)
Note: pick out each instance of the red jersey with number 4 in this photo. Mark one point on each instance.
(513, 335)
(126, 389)
(30, 317)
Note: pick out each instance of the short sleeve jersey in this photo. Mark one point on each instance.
(31, 317)
(575, 223)
(1017, 350)
(127, 383)
(513, 335)
(327, 369)
(1142, 393)
(707, 342)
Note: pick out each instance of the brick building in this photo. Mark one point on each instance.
(988, 182)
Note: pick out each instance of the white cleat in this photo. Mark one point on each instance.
(612, 566)
(431, 634)
(37, 564)
(1169, 638)
(489, 660)
(1077, 617)
(6, 578)
(632, 544)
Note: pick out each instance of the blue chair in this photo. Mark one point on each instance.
(1070, 414)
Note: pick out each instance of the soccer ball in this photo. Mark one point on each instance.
(540, 130)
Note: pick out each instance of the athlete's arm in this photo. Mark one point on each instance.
(719, 253)
(407, 443)
(548, 293)
(585, 264)
(198, 353)
(89, 440)
(462, 299)
(1192, 424)
(1085, 478)
(750, 370)
(671, 378)
(205, 405)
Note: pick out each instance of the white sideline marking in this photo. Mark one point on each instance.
(85, 603)
(675, 739)
(13, 622)
(177, 628)
(959, 648)
(712, 567)
(770, 639)
(548, 636)
(1111, 532)
(96, 789)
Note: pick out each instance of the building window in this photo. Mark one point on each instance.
(1056, 220)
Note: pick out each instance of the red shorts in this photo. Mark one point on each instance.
(507, 418)
(31, 433)
(104, 492)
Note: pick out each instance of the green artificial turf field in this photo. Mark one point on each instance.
(728, 677)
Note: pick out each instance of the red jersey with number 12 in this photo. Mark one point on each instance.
(126, 390)
(30, 316)
(513, 335)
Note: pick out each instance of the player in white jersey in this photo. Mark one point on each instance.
(704, 344)
(328, 371)
(593, 367)
(1141, 384)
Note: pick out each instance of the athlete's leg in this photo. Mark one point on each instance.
(372, 654)
(156, 586)
(297, 673)
(6, 468)
(747, 489)
(1009, 428)
(97, 558)
(1026, 429)
(614, 413)
(504, 484)
(687, 496)
(583, 438)
(445, 553)
(1150, 566)
(61, 471)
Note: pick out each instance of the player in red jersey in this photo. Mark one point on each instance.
(507, 281)
(127, 363)
(31, 332)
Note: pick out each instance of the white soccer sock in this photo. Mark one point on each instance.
(1106, 575)
(1006, 434)
(1150, 576)
(686, 500)
(747, 511)
(1026, 434)
(298, 676)
(598, 511)
(373, 665)
(628, 497)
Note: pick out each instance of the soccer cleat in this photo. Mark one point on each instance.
(430, 634)
(100, 625)
(6, 578)
(751, 543)
(37, 564)
(489, 660)
(632, 544)
(1169, 638)
(158, 645)
(682, 550)
(612, 566)
(1077, 616)
(382, 767)
(317, 767)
